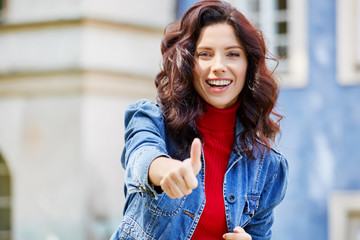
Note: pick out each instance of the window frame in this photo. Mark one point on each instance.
(348, 38)
(296, 74)
(342, 204)
(5, 201)
(3, 7)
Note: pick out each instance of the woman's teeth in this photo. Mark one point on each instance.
(219, 83)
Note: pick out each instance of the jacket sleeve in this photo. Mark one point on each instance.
(272, 194)
(144, 141)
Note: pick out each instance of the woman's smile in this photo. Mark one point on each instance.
(218, 85)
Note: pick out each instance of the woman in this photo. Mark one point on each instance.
(214, 86)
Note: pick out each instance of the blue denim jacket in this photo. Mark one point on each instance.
(251, 188)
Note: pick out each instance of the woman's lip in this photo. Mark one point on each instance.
(219, 79)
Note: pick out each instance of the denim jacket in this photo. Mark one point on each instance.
(251, 188)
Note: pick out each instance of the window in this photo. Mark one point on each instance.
(2, 7)
(5, 200)
(344, 215)
(354, 226)
(348, 41)
(283, 23)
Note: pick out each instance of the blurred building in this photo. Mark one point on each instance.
(69, 68)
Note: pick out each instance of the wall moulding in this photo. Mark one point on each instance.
(76, 83)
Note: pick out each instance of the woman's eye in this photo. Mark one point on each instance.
(203, 54)
(234, 54)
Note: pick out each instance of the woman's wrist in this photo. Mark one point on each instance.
(158, 168)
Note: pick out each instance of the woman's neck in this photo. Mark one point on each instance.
(218, 119)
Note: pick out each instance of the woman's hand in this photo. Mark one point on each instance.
(238, 234)
(177, 178)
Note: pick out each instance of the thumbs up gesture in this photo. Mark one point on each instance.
(195, 155)
(177, 178)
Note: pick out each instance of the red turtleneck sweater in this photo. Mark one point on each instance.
(217, 128)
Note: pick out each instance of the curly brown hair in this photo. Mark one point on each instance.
(179, 100)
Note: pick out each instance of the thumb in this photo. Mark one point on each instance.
(195, 155)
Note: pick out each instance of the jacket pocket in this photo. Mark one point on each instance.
(130, 230)
(164, 205)
(250, 207)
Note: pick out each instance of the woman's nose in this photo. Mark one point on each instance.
(218, 64)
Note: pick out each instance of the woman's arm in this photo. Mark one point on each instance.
(177, 178)
(145, 157)
(144, 141)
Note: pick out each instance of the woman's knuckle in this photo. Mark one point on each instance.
(188, 191)
(183, 169)
(172, 174)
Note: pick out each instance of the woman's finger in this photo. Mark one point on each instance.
(166, 188)
(179, 178)
(195, 155)
(189, 176)
(239, 230)
(238, 234)
(171, 187)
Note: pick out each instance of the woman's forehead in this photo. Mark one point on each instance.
(218, 34)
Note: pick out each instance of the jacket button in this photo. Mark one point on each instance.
(231, 198)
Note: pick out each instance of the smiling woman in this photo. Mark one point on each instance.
(213, 117)
(180, 43)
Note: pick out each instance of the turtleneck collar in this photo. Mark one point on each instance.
(218, 119)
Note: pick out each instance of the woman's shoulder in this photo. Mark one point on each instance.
(144, 107)
(144, 104)
(275, 159)
(269, 162)
(277, 155)
(275, 167)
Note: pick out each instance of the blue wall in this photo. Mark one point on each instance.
(183, 5)
(320, 134)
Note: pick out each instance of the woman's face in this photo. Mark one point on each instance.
(220, 65)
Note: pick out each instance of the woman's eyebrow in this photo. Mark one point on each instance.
(229, 47)
(235, 46)
(204, 48)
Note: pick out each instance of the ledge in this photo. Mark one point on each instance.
(5, 26)
(76, 82)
